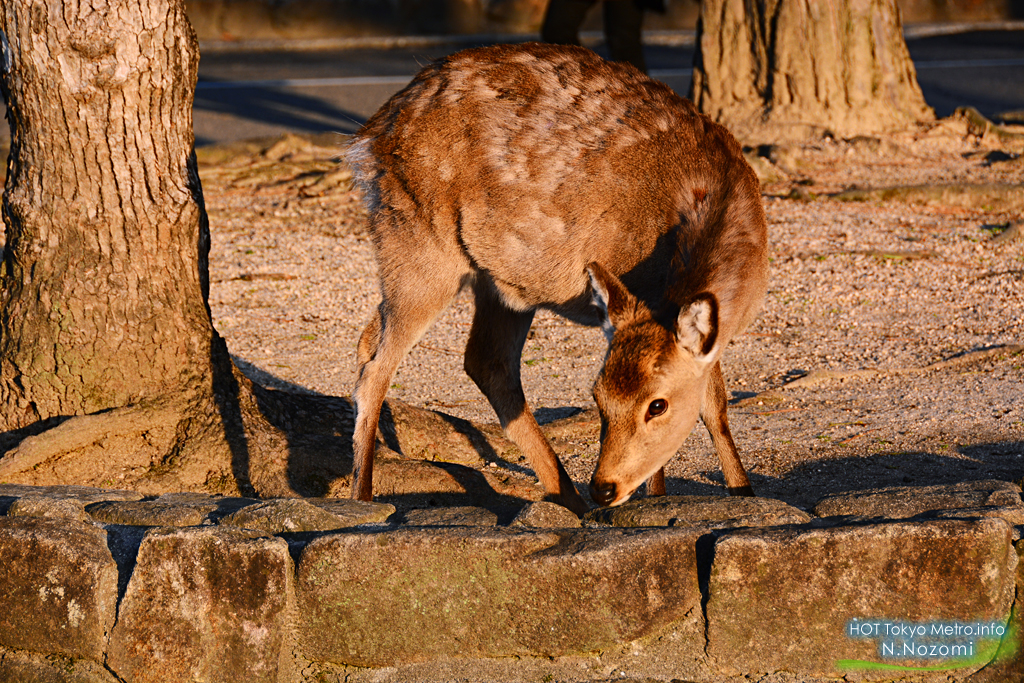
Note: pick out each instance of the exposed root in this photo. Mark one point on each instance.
(817, 377)
(994, 197)
(980, 126)
(138, 427)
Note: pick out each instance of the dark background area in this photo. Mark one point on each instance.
(311, 70)
(234, 20)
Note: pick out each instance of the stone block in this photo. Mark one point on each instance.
(18, 666)
(710, 512)
(170, 509)
(295, 515)
(354, 512)
(783, 599)
(9, 493)
(207, 603)
(416, 594)
(58, 587)
(39, 506)
(971, 498)
(1012, 514)
(1008, 663)
(545, 515)
(464, 515)
(152, 513)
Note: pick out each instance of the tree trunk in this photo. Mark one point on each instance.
(110, 369)
(103, 307)
(777, 70)
(104, 297)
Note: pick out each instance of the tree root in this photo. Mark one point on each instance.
(138, 424)
(993, 197)
(980, 126)
(818, 377)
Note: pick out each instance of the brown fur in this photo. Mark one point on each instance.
(550, 178)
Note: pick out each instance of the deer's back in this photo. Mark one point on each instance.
(538, 159)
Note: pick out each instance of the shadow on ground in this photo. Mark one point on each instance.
(806, 483)
(276, 107)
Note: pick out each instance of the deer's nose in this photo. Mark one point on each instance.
(602, 493)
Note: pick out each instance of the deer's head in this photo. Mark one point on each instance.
(651, 388)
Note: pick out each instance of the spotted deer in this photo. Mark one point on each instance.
(545, 177)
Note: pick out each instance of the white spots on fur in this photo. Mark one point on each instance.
(664, 122)
(523, 58)
(445, 170)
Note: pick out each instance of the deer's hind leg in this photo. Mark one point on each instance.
(713, 413)
(416, 287)
(492, 361)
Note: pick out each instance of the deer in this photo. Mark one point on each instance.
(544, 177)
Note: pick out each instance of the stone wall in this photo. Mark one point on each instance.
(105, 585)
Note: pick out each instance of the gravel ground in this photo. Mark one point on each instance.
(866, 301)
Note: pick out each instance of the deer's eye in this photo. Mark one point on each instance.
(656, 408)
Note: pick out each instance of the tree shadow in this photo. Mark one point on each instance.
(227, 396)
(318, 431)
(316, 427)
(268, 379)
(274, 106)
(807, 483)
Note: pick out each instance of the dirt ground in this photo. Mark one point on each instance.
(889, 350)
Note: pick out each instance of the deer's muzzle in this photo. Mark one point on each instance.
(602, 493)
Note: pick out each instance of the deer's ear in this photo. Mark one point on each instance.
(618, 307)
(697, 326)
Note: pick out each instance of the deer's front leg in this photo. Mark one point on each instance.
(492, 360)
(713, 413)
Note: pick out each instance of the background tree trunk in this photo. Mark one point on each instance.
(776, 70)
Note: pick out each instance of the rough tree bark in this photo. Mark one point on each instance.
(777, 70)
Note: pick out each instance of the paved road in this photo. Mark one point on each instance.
(242, 95)
(252, 94)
